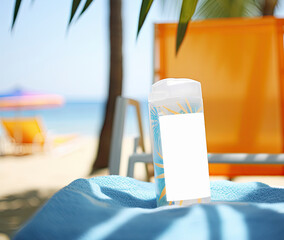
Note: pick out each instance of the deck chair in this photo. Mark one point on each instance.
(117, 137)
(271, 163)
(239, 63)
(26, 134)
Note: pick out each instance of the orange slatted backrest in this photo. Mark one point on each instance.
(239, 63)
(24, 130)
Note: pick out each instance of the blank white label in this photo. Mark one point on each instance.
(185, 156)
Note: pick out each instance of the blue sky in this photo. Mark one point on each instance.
(41, 55)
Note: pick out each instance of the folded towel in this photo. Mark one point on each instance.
(115, 207)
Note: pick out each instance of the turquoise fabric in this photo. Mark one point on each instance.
(115, 207)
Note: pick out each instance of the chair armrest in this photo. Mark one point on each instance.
(134, 158)
(136, 144)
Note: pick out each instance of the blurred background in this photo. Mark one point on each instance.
(46, 57)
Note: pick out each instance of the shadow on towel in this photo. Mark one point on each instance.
(122, 208)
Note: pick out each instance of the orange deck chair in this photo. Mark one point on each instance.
(25, 132)
(29, 135)
(240, 65)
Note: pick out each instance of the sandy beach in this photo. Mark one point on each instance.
(28, 181)
(52, 169)
(56, 168)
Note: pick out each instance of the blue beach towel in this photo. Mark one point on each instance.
(115, 207)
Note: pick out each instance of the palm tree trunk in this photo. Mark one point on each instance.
(115, 84)
(269, 7)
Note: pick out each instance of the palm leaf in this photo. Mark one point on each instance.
(227, 8)
(145, 7)
(74, 8)
(187, 10)
(16, 10)
(171, 8)
(87, 4)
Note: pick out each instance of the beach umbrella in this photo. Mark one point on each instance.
(19, 99)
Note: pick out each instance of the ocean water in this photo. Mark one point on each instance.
(83, 118)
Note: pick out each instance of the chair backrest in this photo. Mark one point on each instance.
(118, 129)
(239, 63)
(24, 130)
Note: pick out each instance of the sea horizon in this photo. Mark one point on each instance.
(82, 116)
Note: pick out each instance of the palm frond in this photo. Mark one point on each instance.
(75, 5)
(171, 8)
(187, 10)
(16, 11)
(228, 8)
(87, 4)
(145, 7)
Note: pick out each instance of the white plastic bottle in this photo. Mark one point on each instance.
(179, 142)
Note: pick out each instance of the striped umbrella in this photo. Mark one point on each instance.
(19, 99)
